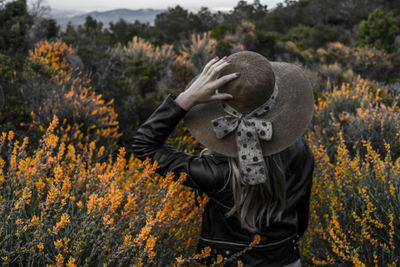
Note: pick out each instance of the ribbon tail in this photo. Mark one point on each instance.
(263, 128)
(251, 160)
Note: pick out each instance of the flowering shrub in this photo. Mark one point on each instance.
(360, 112)
(63, 207)
(198, 53)
(332, 73)
(354, 208)
(297, 52)
(183, 140)
(139, 48)
(52, 87)
(369, 62)
(144, 76)
(354, 203)
(372, 63)
(243, 38)
(50, 57)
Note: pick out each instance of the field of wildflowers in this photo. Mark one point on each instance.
(62, 207)
(70, 201)
(355, 199)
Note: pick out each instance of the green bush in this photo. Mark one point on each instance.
(12, 114)
(219, 31)
(317, 36)
(379, 30)
(371, 63)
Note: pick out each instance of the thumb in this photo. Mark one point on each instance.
(221, 97)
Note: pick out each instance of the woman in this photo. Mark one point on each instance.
(257, 168)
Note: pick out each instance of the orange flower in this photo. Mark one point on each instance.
(64, 220)
(71, 262)
(58, 244)
(40, 246)
(59, 259)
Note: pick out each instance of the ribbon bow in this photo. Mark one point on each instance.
(248, 132)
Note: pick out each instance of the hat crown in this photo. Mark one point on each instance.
(255, 85)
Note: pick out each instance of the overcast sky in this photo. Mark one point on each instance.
(192, 5)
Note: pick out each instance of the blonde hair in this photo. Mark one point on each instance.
(255, 203)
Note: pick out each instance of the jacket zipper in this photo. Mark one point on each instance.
(245, 245)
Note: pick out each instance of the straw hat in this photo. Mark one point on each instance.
(290, 115)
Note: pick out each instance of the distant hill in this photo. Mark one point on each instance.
(129, 15)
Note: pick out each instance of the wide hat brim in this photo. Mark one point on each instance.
(290, 117)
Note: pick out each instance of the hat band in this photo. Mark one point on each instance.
(248, 132)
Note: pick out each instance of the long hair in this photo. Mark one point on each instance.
(255, 203)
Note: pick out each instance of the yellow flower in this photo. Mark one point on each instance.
(40, 246)
(219, 258)
(91, 203)
(179, 260)
(19, 222)
(152, 254)
(79, 204)
(256, 240)
(127, 239)
(58, 244)
(63, 221)
(59, 259)
(10, 135)
(206, 252)
(34, 221)
(71, 262)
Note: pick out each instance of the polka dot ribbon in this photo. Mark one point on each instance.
(249, 130)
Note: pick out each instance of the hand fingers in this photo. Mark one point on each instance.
(221, 97)
(217, 69)
(224, 79)
(211, 71)
(210, 63)
(220, 62)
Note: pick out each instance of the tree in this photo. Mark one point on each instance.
(351, 12)
(203, 20)
(174, 24)
(123, 32)
(21, 28)
(244, 11)
(379, 30)
(39, 8)
(14, 22)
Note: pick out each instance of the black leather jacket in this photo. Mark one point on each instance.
(209, 174)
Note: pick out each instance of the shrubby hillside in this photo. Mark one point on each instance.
(71, 192)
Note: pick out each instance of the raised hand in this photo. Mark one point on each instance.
(203, 89)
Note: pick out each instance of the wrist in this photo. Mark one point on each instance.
(184, 101)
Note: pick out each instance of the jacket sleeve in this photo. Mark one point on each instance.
(303, 206)
(149, 142)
